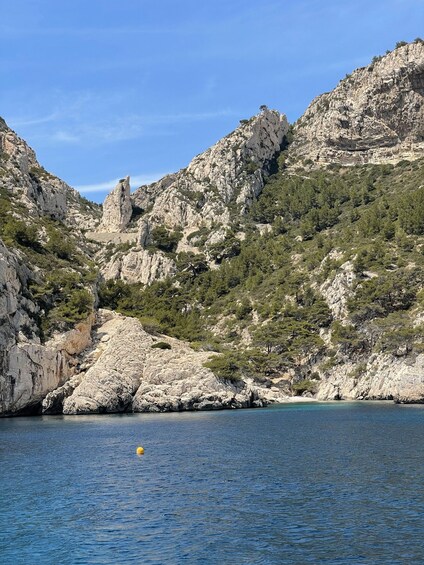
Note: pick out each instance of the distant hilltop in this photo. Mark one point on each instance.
(374, 115)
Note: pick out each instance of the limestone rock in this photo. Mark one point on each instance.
(144, 233)
(53, 402)
(139, 265)
(110, 384)
(338, 290)
(375, 115)
(29, 369)
(117, 208)
(127, 374)
(229, 175)
(385, 377)
(232, 171)
(40, 191)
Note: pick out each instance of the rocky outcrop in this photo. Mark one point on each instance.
(117, 208)
(338, 290)
(383, 377)
(39, 191)
(31, 370)
(232, 171)
(375, 115)
(28, 368)
(110, 384)
(218, 186)
(139, 265)
(126, 372)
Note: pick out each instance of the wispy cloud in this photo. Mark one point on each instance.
(80, 124)
(186, 117)
(106, 186)
(65, 137)
(33, 121)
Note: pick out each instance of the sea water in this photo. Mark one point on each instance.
(294, 484)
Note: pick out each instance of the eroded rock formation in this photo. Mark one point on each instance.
(39, 191)
(375, 115)
(139, 265)
(28, 368)
(126, 372)
(383, 377)
(232, 171)
(117, 208)
(229, 175)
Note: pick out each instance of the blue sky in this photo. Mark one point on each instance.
(106, 88)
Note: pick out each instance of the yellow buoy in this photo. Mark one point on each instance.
(140, 450)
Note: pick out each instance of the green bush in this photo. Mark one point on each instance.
(227, 366)
(347, 337)
(17, 232)
(165, 240)
(74, 307)
(411, 212)
(63, 300)
(161, 345)
(382, 295)
(112, 293)
(59, 245)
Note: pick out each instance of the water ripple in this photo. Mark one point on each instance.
(333, 484)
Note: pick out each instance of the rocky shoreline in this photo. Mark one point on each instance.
(125, 370)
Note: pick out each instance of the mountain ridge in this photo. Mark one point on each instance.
(266, 271)
(345, 126)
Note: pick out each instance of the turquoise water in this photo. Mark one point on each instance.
(297, 484)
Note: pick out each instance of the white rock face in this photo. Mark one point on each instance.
(109, 385)
(384, 377)
(117, 208)
(139, 265)
(375, 115)
(233, 170)
(37, 189)
(126, 374)
(338, 290)
(28, 369)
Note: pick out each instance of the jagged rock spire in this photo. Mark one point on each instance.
(117, 208)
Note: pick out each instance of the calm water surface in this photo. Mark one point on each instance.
(296, 484)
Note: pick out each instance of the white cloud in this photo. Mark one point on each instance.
(23, 122)
(82, 120)
(186, 117)
(65, 136)
(106, 186)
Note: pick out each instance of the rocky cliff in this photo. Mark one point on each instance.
(307, 279)
(374, 115)
(230, 172)
(29, 369)
(46, 278)
(40, 192)
(129, 370)
(117, 208)
(382, 377)
(206, 198)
